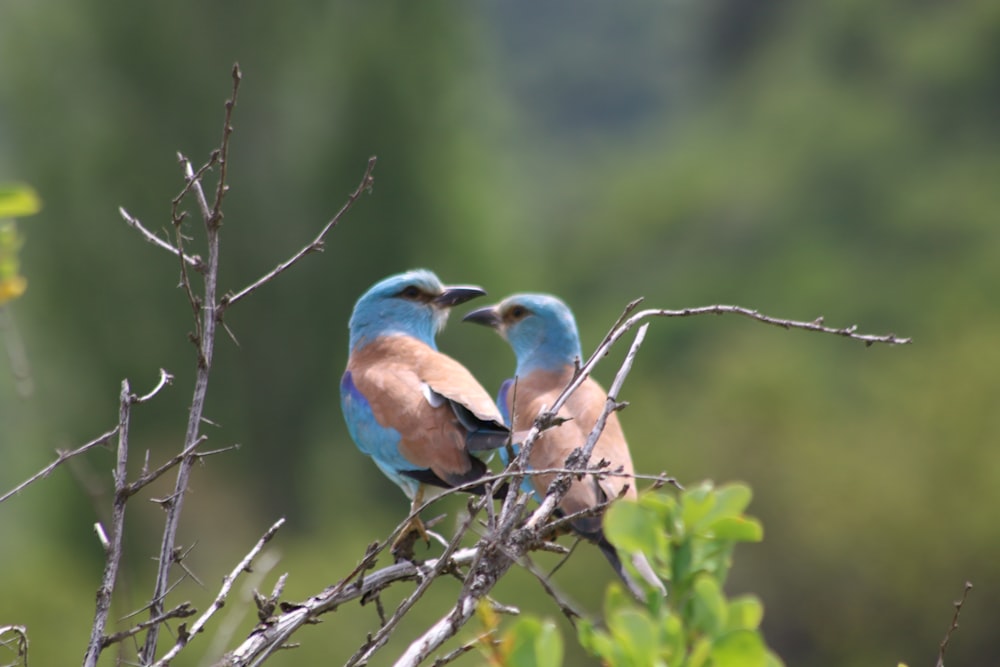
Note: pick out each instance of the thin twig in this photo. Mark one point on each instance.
(206, 347)
(61, 458)
(611, 403)
(227, 584)
(150, 477)
(363, 655)
(272, 634)
(222, 187)
(463, 649)
(565, 606)
(954, 624)
(315, 245)
(193, 260)
(183, 610)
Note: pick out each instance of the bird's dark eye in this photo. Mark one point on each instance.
(410, 292)
(517, 312)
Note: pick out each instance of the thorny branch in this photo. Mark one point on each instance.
(315, 246)
(184, 636)
(954, 624)
(113, 544)
(62, 457)
(510, 534)
(273, 632)
(206, 321)
(191, 260)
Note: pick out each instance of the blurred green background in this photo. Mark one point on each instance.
(837, 158)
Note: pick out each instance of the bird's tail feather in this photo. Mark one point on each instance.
(641, 565)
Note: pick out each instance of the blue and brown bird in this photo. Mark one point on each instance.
(418, 413)
(543, 333)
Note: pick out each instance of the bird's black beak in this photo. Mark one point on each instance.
(485, 316)
(456, 294)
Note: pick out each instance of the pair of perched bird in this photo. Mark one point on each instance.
(423, 418)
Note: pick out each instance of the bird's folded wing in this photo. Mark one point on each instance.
(447, 381)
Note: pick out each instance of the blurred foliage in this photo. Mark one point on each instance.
(528, 642)
(690, 539)
(16, 201)
(832, 158)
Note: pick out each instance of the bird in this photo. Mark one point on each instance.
(542, 331)
(419, 414)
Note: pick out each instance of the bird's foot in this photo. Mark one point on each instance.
(402, 546)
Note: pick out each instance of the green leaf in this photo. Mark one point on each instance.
(636, 633)
(745, 613)
(17, 201)
(732, 499)
(696, 503)
(672, 637)
(726, 502)
(595, 642)
(633, 527)
(615, 599)
(709, 611)
(532, 643)
(737, 529)
(741, 648)
(699, 653)
(549, 646)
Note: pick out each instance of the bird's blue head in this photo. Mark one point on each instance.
(414, 303)
(539, 327)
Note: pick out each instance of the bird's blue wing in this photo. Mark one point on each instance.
(377, 441)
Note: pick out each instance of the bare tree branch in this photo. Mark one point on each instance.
(62, 458)
(316, 245)
(113, 544)
(272, 634)
(954, 624)
(183, 610)
(205, 341)
(20, 641)
(193, 260)
(184, 636)
(382, 636)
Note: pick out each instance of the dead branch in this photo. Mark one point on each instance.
(20, 641)
(61, 458)
(183, 610)
(316, 245)
(113, 548)
(205, 323)
(272, 633)
(194, 261)
(954, 624)
(184, 636)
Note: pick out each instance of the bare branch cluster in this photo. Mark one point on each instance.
(504, 536)
(200, 282)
